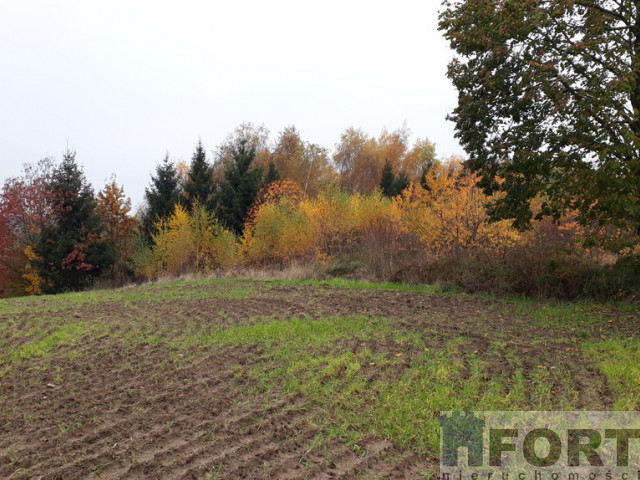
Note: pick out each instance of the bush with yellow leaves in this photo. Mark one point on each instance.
(277, 230)
(332, 225)
(188, 243)
(449, 215)
(334, 220)
(32, 281)
(280, 233)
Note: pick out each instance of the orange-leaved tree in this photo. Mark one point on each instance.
(449, 216)
(118, 226)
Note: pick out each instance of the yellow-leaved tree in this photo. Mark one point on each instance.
(32, 281)
(214, 246)
(334, 224)
(118, 227)
(278, 230)
(449, 215)
(190, 243)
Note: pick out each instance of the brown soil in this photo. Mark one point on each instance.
(110, 409)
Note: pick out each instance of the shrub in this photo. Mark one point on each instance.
(280, 233)
(186, 243)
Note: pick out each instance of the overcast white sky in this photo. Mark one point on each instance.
(121, 82)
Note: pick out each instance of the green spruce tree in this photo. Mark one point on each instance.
(402, 182)
(388, 180)
(199, 185)
(239, 188)
(392, 184)
(161, 196)
(70, 249)
(271, 176)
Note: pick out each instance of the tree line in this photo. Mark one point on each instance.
(56, 234)
(377, 207)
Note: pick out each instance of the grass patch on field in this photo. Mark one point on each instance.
(39, 347)
(362, 285)
(65, 335)
(146, 293)
(619, 361)
(562, 314)
(396, 392)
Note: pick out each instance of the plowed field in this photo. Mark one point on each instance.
(281, 380)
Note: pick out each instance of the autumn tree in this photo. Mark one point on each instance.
(449, 217)
(288, 153)
(188, 242)
(255, 137)
(305, 162)
(118, 227)
(332, 214)
(173, 251)
(274, 192)
(199, 185)
(24, 211)
(183, 168)
(70, 251)
(237, 190)
(420, 159)
(161, 196)
(549, 102)
(11, 259)
(392, 147)
(277, 230)
(356, 162)
(360, 159)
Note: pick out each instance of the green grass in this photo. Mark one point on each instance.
(366, 390)
(39, 347)
(361, 285)
(619, 361)
(233, 288)
(63, 336)
(128, 295)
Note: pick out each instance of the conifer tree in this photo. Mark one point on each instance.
(392, 184)
(387, 180)
(161, 196)
(402, 182)
(271, 176)
(239, 188)
(199, 185)
(70, 252)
